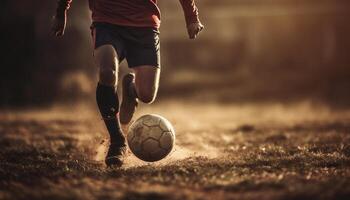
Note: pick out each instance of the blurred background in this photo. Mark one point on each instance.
(251, 51)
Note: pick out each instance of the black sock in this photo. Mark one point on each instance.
(108, 103)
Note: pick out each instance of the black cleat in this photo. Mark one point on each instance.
(129, 100)
(115, 155)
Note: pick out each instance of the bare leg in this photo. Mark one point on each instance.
(146, 83)
(142, 86)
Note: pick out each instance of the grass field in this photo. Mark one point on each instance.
(295, 151)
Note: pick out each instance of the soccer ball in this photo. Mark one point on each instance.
(151, 138)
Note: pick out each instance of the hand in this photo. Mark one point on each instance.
(193, 29)
(59, 25)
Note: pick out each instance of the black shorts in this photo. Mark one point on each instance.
(138, 45)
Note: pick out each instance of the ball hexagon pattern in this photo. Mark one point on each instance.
(151, 137)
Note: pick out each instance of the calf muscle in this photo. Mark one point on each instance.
(146, 82)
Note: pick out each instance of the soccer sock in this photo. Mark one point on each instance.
(108, 104)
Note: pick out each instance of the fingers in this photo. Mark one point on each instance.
(58, 27)
(57, 31)
(194, 30)
(192, 35)
(54, 28)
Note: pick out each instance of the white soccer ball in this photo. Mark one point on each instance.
(151, 138)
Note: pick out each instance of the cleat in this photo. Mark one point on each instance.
(115, 155)
(129, 101)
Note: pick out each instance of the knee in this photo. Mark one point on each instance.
(146, 96)
(107, 76)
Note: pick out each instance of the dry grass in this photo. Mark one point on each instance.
(222, 152)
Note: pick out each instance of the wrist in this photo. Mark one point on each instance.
(61, 15)
(192, 20)
(62, 7)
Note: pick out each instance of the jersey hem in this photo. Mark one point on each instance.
(122, 23)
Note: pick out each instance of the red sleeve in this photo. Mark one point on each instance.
(190, 10)
(63, 5)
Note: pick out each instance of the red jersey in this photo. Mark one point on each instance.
(139, 13)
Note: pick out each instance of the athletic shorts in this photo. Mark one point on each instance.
(138, 45)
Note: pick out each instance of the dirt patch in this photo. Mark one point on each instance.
(222, 152)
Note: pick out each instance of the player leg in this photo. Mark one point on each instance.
(144, 58)
(108, 103)
(142, 86)
(146, 83)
